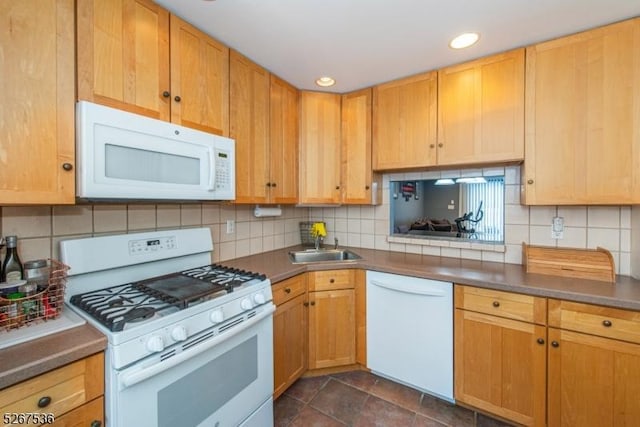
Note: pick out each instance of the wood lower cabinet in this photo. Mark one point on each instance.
(319, 148)
(500, 360)
(582, 138)
(133, 55)
(37, 117)
(404, 123)
(594, 365)
(289, 332)
(332, 319)
(481, 110)
(74, 391)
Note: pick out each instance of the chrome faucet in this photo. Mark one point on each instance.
(318, 241)
(335, 243)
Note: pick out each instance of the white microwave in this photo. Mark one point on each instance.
(121, 155)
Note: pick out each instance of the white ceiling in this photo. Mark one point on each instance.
(364, 42)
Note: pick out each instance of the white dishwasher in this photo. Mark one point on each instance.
(410, 331)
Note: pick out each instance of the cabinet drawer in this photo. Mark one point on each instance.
(505, 304)
(66, 388)
(288, 289)
(331, 279)
(88, 414)
(592, 319)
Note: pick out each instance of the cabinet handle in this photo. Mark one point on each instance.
(555, 344)
(273, 184)
(268, 184)
(496, 304)
(540, 341)
(165, 94)
(67, 166)
(312, 303)
(337, 187)
(177, 99)
(287, 290)
(432, 145)
(440, 145)
(96, 423)
(306, 304)
(44, 401)
(332, 280)
(366, 187)
(607, 323)
(529, 181)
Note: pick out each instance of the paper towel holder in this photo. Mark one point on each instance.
(260, 212)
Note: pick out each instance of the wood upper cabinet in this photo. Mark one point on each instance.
(199, 79)
(123, 56)
(500, 360)
(404, 123)
(289, 332)
(38, 113)
(332, 318)
(283, 143)
(359, 184)
(249, 127)
(582, 136)
(134, 56)
(319, 148)
(481, 110)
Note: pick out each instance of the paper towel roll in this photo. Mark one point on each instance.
(260, 212)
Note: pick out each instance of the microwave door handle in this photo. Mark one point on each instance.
(212, 170)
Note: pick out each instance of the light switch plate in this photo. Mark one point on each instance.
(557, 227)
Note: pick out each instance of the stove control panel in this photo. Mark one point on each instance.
(155, 245)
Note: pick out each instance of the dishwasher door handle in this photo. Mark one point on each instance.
(415, 290)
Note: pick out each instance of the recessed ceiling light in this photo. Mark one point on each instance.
(325, 81)
(464, 40)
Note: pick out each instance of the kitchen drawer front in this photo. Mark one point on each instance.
(289, 289)
(331, 280)
(510, 305)
(595, 320)
(65, 388)
(89, 414)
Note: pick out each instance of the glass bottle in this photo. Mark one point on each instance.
(12, 267)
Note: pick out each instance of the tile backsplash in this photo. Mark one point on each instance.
(584, 226)
(40, 228)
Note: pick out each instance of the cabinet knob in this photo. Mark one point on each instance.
(540, 341)
(555, 344)
(165, 94)
(441, 145)
(337, 187)
(306, 304)
(366, 187)
(332, 280)
(177, 99)
(312, 303)
(67, 166)
(607, 323)
(268, 184)
(432, 145)
(273, 184)
(44, 401)
(529, 181)
(96, 423)
(496, 304)
(287, 290)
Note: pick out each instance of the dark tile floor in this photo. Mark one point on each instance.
(359, 398)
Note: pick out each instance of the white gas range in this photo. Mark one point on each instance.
(189, 343)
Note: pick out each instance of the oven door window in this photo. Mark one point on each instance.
(224, 385)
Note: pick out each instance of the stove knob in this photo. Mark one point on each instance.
(179, 333)
(216, 316)
(259, 298)
(246, 304)
(155, 344)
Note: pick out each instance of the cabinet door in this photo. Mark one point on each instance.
(404, 123)
(199, 79)
(37, 113)
(289, 343)
(320, 148)
(593, 381)
(88, 415)
(332, 328)
(249, 127)
(123, 55)
(283, 143)
(500, 366)
(481, 110)
(582, 138)
(357, 177)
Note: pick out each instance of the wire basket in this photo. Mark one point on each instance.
(306, 239)
(45, 304)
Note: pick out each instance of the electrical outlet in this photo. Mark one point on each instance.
(231, 225)
(557, 227)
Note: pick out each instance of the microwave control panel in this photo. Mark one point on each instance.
(223, 170)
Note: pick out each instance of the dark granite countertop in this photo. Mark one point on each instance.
(625, 293)
(27, 360)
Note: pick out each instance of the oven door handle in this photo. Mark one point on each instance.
(131, 378)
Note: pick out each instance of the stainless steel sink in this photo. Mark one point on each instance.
(322, 255)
